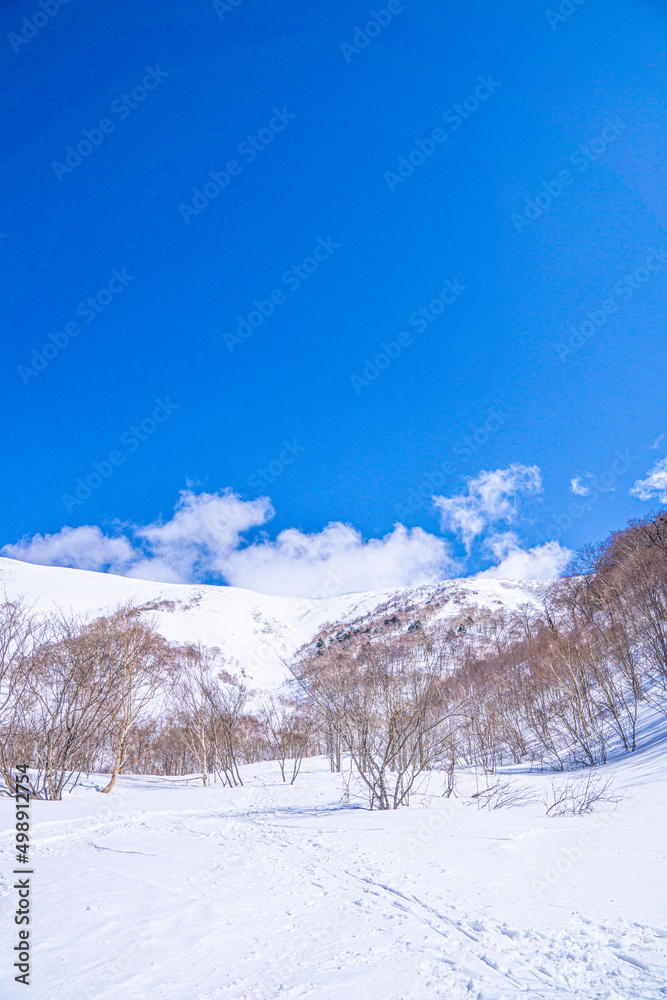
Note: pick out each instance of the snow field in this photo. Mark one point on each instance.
(175, 891)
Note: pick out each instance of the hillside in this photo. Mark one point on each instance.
(256, 633)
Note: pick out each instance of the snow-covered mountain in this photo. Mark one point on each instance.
(270, 890)
(255, 632)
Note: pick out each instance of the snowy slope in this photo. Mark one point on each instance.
(171, 892)
(166, 890)
(255, 632)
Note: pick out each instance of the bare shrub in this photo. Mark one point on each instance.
(505, 795)
(580, 796)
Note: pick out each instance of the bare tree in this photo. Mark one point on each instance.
(388, 713)
(286, 731)
(20, 633)
(192, 707)
(138, 658)
(225, 701)
(68, 704)
(209, 707)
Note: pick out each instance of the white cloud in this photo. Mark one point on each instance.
(542, 562)
(193, 545)
(84, 548)
(206, 539)
(490, 498)
(500, 543)
(337, 560)
(205, 529)
(578, 486)
(655, 484)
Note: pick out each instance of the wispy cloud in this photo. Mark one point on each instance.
(578, 486)
(196, 543)
(491, 498)
(655, 484)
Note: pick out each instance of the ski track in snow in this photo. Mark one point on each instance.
(269, 891)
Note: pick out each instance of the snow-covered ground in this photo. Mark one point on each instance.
(174, 891)
(255, 632)
(166, 889)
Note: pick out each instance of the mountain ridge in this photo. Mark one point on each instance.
(256, 633)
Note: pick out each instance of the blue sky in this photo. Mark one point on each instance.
(256, 197)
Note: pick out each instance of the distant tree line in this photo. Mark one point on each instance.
(556, 686)
(112, 696)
